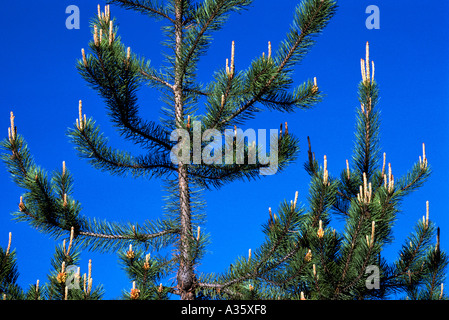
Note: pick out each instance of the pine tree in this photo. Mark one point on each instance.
(230, 99)
(9, 274)
(303, 257)
(64, 280)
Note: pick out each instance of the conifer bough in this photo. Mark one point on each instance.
(234, 96)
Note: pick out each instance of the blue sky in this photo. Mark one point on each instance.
(40, 84)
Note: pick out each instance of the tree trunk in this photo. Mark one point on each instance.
(185, 275)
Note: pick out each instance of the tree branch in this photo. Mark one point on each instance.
(130, 4)
(264, 89)
(157, 79)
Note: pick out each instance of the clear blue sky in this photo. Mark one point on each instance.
(40, 84)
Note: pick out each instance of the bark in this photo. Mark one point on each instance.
(186, 275)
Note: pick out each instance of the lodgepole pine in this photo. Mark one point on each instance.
(233, 97)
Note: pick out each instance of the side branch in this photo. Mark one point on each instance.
(143, 7)
(91, 145)
(306, 32)
(157, 79)
(142, 237)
